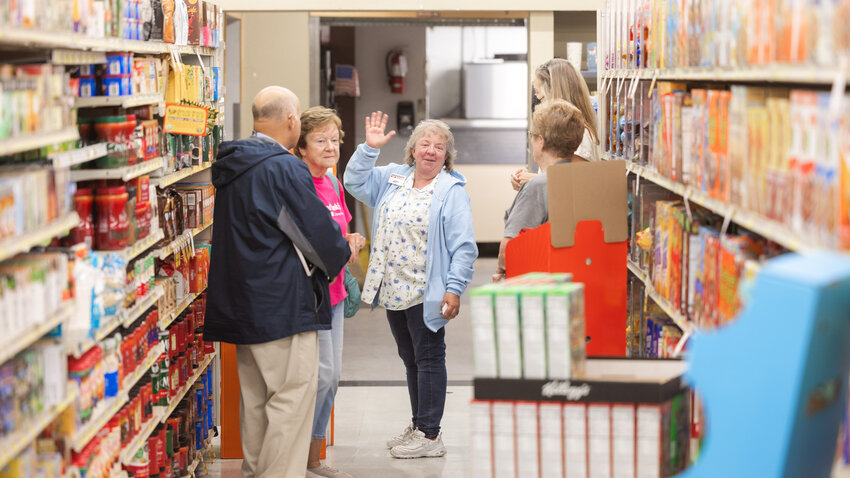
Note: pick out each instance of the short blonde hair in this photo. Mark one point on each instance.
(561, 126)
(559, 79)
(432, 126)
(315, 118)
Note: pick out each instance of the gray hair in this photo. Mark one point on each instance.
(432, 126)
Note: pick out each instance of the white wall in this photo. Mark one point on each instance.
(372, 44)
(274, 52)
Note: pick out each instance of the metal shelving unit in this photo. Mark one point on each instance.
(180, 175)
(13, 245)
(128, 101)
(73, 157)
(34, 38)
(13, 444)
(796, 74)
(125, 173)
(767, 228)
(30, 141)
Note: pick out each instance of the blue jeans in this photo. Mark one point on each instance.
(330, 366)
(424, 355)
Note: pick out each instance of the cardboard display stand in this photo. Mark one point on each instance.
(587, 236)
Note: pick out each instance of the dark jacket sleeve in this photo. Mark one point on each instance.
(306, 221)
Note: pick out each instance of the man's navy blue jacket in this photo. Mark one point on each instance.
(258, 290)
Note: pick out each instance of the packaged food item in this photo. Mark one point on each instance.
(168, 7)
(112, 223)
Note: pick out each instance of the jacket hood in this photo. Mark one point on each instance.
(236, 157)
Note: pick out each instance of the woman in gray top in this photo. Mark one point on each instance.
(557, 130)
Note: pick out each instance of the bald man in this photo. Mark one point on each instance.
(274, 248)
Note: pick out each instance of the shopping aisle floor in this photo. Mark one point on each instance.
(372, 403)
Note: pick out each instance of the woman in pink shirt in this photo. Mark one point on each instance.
(318, 147)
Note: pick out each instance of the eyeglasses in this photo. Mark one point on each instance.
(323, 142)
(532, 134)
(439, 147)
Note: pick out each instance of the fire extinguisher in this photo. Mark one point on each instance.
(396, 70)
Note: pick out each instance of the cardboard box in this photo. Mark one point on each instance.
(533, 317)
(527, 439)
(551, 439)
(484, 331)
(482, 434)
(504, 450)
(508, 331)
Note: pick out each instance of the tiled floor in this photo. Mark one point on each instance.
(372, 403)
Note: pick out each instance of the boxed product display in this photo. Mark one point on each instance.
(593, 426)
(531, 326)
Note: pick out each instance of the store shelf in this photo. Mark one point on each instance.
(113, 405)
(105, 411)
(13, 444)
(182, 393)
(11, 347)
(128, 101)
(130, 315)
(180, 175)
(132, 379)
(788, 73)
(13, 245)
(125, 173)
(202, 228)
(78, 348)
(165, 322)
(182, 241)
(34, 38)
(73, 157)
(677, 317)
(131, 252)
(767, 228)
(28, 142)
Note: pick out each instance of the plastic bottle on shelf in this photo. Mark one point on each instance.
(111, 366)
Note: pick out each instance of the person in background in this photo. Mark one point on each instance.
(271, 229)
(558, 79)
(556, 132)
(318, 147)
(421, 261)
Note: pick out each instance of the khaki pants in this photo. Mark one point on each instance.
(277, 382)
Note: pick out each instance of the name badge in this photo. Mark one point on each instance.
(397, 179)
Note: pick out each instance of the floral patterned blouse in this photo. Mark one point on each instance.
(397, 265)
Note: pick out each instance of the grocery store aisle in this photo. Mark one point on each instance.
(372, 402)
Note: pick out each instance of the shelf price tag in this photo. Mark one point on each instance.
(187, 120)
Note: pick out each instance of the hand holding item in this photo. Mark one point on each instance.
(450, 306)
(520, 177)
(376, 124)
(356, 242)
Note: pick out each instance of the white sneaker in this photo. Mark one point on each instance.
(325, 471)
(420, 447)
(403, 438)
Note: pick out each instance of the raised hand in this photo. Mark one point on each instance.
(375, 127)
